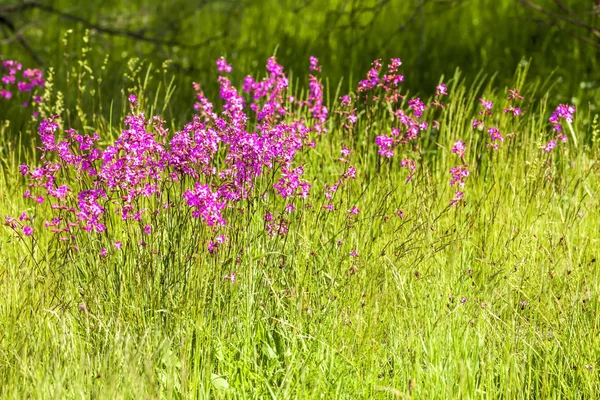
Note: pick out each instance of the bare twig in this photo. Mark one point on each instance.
(123, 32)
(576, 22)
(139, 35)
(7, 23)
(570, 33)
(416, 13)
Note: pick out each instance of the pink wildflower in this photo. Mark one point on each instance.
(459, 148)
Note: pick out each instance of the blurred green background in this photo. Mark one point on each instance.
(432, 37)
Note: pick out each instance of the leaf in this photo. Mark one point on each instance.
(219, 382)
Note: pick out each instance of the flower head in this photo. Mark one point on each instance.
(459, 148)
(441, 90)
(222, 65)
(314, 64)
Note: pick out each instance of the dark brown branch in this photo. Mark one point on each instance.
(564, 7)
(571, 33)
(576, 22)
(7, 23)
(416, 13)
(100, 28)
(125, 33)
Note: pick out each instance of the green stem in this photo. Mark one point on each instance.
(572, 134)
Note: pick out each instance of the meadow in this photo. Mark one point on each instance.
(263, 231)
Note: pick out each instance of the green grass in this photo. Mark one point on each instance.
(303, 319)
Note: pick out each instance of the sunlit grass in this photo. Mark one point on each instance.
(493, 298)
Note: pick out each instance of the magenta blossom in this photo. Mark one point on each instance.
(230, 277)
(458, 197)
(459, 148)
(314, 64)
(222, 65)
(487, 105)
(441, 90)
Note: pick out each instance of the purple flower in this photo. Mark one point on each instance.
(10, 222)
(563, 111)
(417, 106)
(222, 65)
(372, 78)
(147, 229)
(346, 101)
(459, 175)
(551, 144)
(479, 125)
(314, 64)
(353, 253)
(458, 196)
(118, 245)
(385, 144)
(27, 230)
(354, 210)
(394, 64)
(24, 169)
(459, 148)
(103, 252)
(206, 204)
(441, 90)
(487, 105)
(495, 135)
(231, 277)
(350, 173)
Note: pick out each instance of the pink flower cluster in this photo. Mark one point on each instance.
(496, 137)
(23, 80)
(564, 112)
(225, 156)
(215, 158)
(407, 123)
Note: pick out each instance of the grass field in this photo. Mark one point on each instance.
(310, 262)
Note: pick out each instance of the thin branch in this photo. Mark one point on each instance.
(8, 24)
(576, 22)
(564, 7)
(124, 33)
(13, 38)
(570, 33)
(416, 13)
(104, 29)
